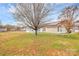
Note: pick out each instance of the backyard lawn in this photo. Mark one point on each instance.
(45, 44)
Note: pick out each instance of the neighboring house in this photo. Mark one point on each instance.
(2, 28)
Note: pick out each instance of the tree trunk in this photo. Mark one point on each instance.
(36, 32)
(68, 31)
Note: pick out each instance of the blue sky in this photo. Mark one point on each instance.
(6, 18)
(5, 15)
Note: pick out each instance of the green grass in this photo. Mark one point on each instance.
(27, 44)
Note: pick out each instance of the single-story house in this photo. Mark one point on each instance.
(54, 28)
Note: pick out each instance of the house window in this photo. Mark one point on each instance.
(59, 29)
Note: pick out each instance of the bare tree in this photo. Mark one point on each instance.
(32, 15)
(67, 16)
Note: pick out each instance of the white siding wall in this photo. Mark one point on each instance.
(55, 30)
(52, 30)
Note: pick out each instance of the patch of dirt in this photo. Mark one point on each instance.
(59, 52)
